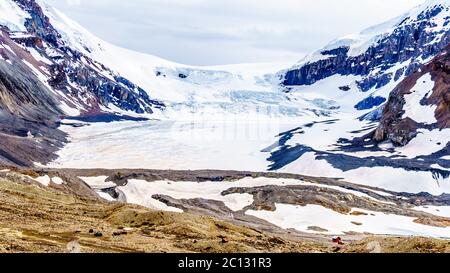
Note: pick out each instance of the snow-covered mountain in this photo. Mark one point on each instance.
(375, 60)
(371, 109)
(81, 75)
(139, 83)
(317, 110)
(182, 88)
(381, 53)
(358, 73)
(83, 84)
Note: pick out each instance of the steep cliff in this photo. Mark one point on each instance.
(431, 88)
(29, 110)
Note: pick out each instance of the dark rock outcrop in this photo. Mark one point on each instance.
(401, 130)
(370, 102)
(77, 75)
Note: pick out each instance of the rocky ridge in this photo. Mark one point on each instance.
(399, 129)
(87, 83)
(411, 41)
(43, 80)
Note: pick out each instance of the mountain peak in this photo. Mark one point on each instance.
(410, 39)
(84, 85)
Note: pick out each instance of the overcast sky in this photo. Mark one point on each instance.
(209, 32)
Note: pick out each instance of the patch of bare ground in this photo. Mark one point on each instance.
(398, 245)
(37, 219)
(72, 218)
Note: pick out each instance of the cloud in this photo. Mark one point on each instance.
(205, 32)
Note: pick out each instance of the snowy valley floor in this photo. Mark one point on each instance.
(387, 194)
(306, 145)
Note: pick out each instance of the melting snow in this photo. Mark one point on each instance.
(413, 108)
(44, 180)
(97, 182)
(301, 218)
(57, 180)
(140, 192)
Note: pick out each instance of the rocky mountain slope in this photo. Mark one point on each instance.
(36, 219)
(43, 80)
(28, 109)
(264, 201)
(421, 101)
(404, 43)
(78, 80)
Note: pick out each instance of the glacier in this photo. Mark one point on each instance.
(233, 117)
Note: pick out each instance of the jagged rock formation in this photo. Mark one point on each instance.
(412, 40)
(86, 82)
(400, 129)
(29, 111)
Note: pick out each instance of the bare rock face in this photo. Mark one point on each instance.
(401, 130)
(41, 76)
(87, 83)
(29, 115)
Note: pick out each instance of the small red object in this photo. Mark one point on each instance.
(338, 240)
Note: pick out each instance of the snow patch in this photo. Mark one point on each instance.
(44, 180)
(301, 218)
(71, 111)
(38, 57)
(443, 211)
(105, 196)
(97, 182)
(57, 180)
(140, 192)
(425, 143)
(389, 178)
(413, 108)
